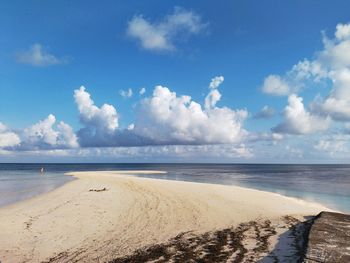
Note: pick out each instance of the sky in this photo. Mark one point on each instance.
(175, 81)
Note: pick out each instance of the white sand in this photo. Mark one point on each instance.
(132, 213)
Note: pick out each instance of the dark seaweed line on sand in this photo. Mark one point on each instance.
(225, 245)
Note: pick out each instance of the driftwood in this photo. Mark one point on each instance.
(98, 190)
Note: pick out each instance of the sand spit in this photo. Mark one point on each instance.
(109, 216)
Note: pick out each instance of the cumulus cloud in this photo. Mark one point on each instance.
(162, 35)
(276, 86)
(142, 91)
(126, 93)
(335, 54)
(171, 119)
(162, 119)
(265, 113)
(299, 121)
(337, 103)
(94, 118)
(36, 55)
(335, 59)
(7, 137)
(330, 67)
(66, 136)
(101, 124)
(44, 135)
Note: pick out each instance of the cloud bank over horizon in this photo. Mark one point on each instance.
(163, 119)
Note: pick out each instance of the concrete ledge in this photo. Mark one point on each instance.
(329, 239)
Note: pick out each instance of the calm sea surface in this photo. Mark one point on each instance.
(326, 184)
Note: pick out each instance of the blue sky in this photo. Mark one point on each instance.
(49, 49)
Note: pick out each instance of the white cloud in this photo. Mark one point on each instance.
(42, 131)
(212, 98)
(336, 59)
(216, 82)
(337, 103)
(277, 136)
(300, 121)
(66, 136)
(8, 138)
(162, 35)
(306, 70)
(101, 124)
(36, 55)
(214, 95)
(168, 118)
(142, 91)
(43, 135)
(335, 54)
(296, 79)
(342, 31)
(330, 65)
(126, 93)
(335, 145)
(163, 118)
(276, 86)
(330, 145)
(104, 118)
(265, 113)
(3, 127)
(272, 137)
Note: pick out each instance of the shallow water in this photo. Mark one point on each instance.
(326, 184)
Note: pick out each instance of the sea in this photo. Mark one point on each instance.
(325, 184)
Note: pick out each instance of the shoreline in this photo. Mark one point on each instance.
(134, 211)
(298, 199)
(133, 173)
(71, 174)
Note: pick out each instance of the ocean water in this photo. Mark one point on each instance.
(326, 184)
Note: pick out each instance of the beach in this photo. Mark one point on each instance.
(112, 216)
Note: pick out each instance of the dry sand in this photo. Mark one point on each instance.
(106, 215)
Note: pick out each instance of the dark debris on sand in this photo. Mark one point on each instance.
(249, 242)
(324, 238)
(98, 190)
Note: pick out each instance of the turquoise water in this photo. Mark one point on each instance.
(326, 184)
